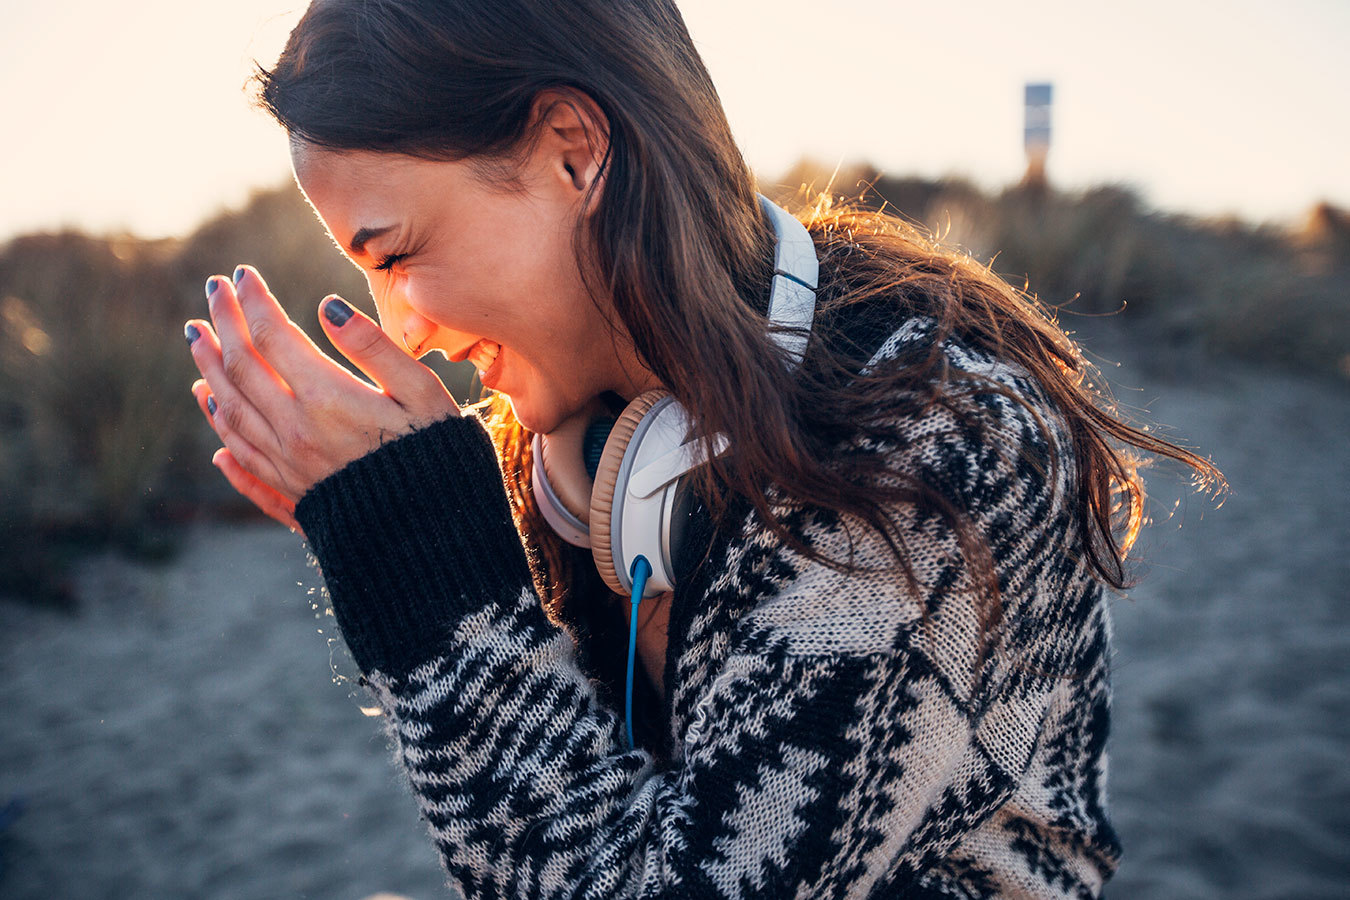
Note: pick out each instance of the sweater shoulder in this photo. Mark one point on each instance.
(998, 460)
(995, 433)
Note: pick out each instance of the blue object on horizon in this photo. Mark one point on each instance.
(1038, 100)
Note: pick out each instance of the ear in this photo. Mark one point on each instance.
(571, 143)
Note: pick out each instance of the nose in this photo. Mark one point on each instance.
(404, 325)
(415, 334)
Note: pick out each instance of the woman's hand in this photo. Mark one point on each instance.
(288, 414)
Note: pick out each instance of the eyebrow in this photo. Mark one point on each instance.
(364, 234)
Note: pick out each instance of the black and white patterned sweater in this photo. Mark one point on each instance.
(815, 739)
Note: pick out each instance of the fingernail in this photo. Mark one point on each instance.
(191, 333)
(238, 274)
(211, 405)
(337, 312)
(210, 286)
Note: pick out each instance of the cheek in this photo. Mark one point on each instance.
(444, 301)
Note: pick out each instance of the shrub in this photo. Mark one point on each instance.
(100, 440)
(1254, 292)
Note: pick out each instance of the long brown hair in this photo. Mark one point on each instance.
(684, 252)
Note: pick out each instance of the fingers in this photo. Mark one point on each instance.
(240, 427)
(260, 495)
(234, 417)
(282, 436)
(267, 499)
(270, 501)
(205, 402)
(278, 340)
(240, 361)
(362, 341)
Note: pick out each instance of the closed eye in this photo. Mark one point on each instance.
(387, 263)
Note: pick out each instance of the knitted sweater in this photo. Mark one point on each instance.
(817, 737)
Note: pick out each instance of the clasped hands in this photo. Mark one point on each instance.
(288, 414)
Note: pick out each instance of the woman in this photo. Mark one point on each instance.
(882, 668)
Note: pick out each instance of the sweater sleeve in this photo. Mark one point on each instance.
(837, 745)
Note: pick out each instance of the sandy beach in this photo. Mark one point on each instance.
(195, 730)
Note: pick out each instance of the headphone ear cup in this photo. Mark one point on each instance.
(569, 483)
(562, 459)
(602, 494)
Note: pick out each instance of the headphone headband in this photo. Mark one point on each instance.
(792, 302)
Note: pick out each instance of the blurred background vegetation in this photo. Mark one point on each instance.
(101, 444)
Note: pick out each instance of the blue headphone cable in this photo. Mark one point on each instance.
(641, 569)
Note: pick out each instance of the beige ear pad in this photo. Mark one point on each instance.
(602, 494)
(564, 461)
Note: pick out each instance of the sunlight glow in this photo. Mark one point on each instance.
(142, 123)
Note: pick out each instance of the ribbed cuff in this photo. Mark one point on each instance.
(411, 538)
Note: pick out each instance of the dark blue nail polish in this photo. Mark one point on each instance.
(238, 274)
(337, 312)
(191, 333)
(211, 405)
(210, 286)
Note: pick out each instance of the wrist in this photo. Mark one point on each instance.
(411, 538)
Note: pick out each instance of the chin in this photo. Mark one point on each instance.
(532, 419)
(545, 417)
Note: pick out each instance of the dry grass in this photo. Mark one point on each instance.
(101, 443)
(1254, 292)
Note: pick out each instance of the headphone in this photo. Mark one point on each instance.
(617, 486)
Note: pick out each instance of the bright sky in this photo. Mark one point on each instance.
(130, 115)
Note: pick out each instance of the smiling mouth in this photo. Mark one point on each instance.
(484, 353)
(485, 356)
(463, 352)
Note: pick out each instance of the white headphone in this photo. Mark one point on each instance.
(629, 498)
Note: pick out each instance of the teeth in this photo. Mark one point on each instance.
(483, 354)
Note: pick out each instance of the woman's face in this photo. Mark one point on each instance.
(453, 261)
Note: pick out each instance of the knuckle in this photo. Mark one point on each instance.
(321, 403)
(431, 397)
(231, 412)
(369, 343)
(235, 362)
(431, 389)
(300, 443)
(263, 333)
(247, 460)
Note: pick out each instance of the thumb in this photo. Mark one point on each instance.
(363, 342)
